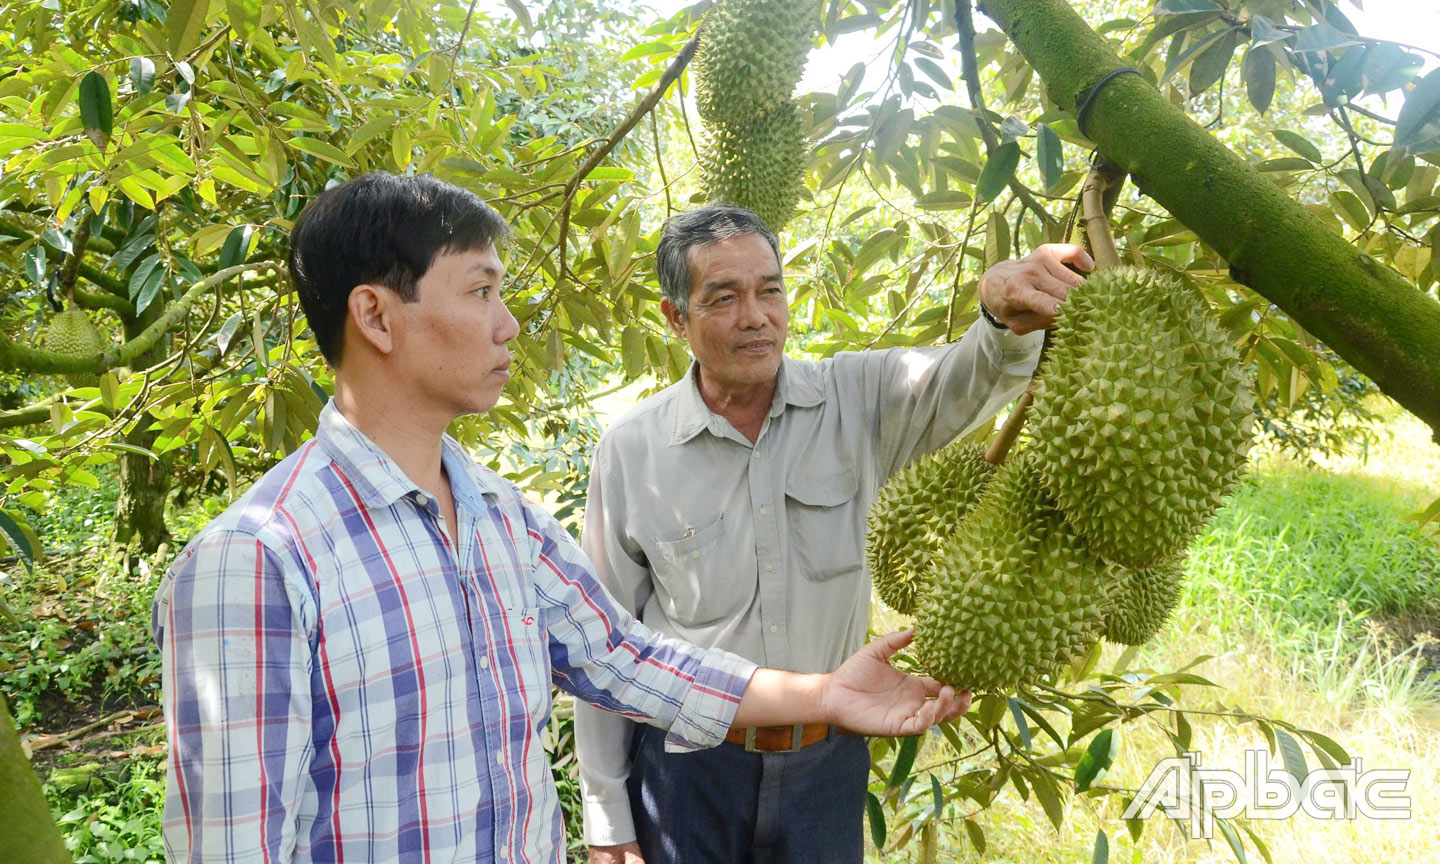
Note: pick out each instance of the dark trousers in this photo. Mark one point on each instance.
(726, 806)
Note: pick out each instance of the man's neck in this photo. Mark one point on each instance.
(411, 438)
(745, 406)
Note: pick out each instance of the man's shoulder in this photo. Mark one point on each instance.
(652, 415)
(277, 504)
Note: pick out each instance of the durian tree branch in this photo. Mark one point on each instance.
(112, 297)
(1366, 312)
(15, 356)
(970, 71)
(29, 415)
(1099, 181)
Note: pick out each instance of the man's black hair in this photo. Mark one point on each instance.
(380, 229)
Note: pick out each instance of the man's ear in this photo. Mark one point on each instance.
(678, 322)
(371, 314)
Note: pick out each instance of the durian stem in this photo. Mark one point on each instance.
(1000, 447)
(1097, 226)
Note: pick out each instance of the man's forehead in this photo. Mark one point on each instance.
(484, 261)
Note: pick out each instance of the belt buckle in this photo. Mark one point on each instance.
(797, 731)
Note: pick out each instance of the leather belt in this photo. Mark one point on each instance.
(779, 739)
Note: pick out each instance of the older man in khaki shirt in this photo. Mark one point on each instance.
(729, 510)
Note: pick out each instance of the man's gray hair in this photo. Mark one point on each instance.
(695, 229)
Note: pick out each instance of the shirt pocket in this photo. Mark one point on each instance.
(823, 525)
(696, 580)
(530, 642)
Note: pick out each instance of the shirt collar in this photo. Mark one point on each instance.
(377, 478)
(692, 415)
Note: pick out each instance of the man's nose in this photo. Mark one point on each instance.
(752, 314)
(509, 328)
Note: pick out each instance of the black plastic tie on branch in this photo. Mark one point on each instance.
(1086, 100)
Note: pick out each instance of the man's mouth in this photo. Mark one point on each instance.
(756, 346)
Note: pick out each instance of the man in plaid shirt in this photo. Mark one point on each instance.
(358, 654)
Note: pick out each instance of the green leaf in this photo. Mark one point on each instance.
(97, 112)
(1419, 119)
(938, 796)
(1260, 846)
(1020, 724)
(142, 274)
(933, 71)
(184, 21)
(904, 761)
(1329, 745)
(1102, 848)
(1292, 754)
(647, 49)
(1210, 64)
(522, 15)
(22, 538)
(976, 835)
(142, 75)
(1260, 77)
(1298, 144)
(322, 149)
(1232, 838)
(1351, 209)
(237, 246)
(1263, 32)
(632, 351)
(877, 820)
(610, 172)
(1049, 152)
(998, 170)
(1181, 7)
(1098, 757)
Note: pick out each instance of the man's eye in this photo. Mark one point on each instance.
(483, 291)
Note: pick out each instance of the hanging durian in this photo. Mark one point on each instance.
(759, 164)
(751, 56)
(1142, 603)
(915, 512)
(72, 334)
(1013, 596)
(1142, 415)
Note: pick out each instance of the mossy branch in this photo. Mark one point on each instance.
(114, 296)
(24, 358)
(1365, 311)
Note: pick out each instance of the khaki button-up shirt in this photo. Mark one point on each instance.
(759, 548)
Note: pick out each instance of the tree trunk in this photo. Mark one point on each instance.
(1368, 313)
(144, 482)
(30, 833)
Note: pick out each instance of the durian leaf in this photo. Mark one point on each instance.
(1420, 114)
(876, 815)
(1098, 757)
(142, 75)
(1101, 854)
(1040, 721)
(1049, 152)
(1329, 745)
(937, 796)
(21, 537)
(1049, 794)
(1260, 846)
(97, 111)
(998, 170)
(1020, 724)
(1260, 77)
(1232, 838)
(904, 761)
(976, 835)
(1292, 754)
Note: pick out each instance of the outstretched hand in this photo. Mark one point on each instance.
(1025, 294)
(869, 696)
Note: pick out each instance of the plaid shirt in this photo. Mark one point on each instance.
(343, 684)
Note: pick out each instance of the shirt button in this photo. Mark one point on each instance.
(762, 510)
(695, 554)
(773, 628)
(500, 758)
(421, 499)
(769, 568)
(505, 852)
(484, 662)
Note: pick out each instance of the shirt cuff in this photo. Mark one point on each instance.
(607, 822)
(1016, 354)
(709, 706)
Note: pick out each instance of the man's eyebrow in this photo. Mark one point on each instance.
(487, 270)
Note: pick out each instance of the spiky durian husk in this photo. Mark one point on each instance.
(915, 512)
(1013, 596)
(751, 55)
(1142, 416)
(759, 165)
(72, 334)
(1143, 601)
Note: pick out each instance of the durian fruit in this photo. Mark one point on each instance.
(1142, 417)
(72, 334)
(759, 164)
(915, 512)
(1013, 596)
(1143, 601)
(751, 56)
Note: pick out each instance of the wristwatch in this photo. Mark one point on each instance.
(990, 316)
